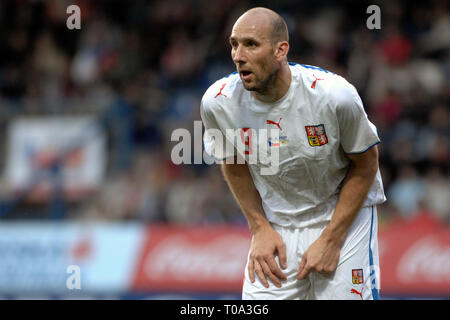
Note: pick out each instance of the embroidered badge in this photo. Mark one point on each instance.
(316, 135)
(357, 276)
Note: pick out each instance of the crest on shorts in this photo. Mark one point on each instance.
(357, 276)
(316, 135)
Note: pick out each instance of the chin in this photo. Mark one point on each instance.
(249, 86)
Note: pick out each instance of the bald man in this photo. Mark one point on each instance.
(314, 221)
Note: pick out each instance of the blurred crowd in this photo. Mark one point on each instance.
(141, 68)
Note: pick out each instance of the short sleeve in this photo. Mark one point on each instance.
(214, 141)
(357, 133)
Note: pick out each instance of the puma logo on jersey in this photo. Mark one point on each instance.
(220, 91)
(275, 123)
(313, 85)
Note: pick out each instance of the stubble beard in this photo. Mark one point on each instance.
(262, 87)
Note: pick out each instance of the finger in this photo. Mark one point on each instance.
(305, 272)
(260, 274)
(273, 266)
(302, 265)
(251, 270)
(282, 255)
(268, 273)
(304, 269)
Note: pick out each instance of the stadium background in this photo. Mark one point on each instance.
(86, 118)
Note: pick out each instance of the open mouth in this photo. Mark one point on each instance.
(246, 74)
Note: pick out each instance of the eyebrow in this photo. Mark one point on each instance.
(244, 39)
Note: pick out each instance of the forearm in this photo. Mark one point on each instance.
(355, 188)
(241, 185)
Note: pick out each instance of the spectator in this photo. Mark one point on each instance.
(407, 191)
(141, 68)
(437, 191)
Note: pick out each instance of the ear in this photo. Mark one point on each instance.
(281, 50)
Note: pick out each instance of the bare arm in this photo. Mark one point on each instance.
(266, 242)
(323, 254)
(241, 185)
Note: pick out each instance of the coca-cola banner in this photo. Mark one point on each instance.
(415, 258)
(209, 259)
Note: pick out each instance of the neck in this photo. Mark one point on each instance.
(278, 87)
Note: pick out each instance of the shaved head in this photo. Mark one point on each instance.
(259, 46)
(279, 30)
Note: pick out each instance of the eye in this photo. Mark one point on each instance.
(251, 43)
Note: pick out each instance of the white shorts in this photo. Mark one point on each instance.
(357, 275)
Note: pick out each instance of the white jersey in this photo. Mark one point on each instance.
(320, 118)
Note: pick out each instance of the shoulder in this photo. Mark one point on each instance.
(344, 94)
(309, 72)
(213, 98)
(324, 82)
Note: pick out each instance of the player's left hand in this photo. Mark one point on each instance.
(321, 256)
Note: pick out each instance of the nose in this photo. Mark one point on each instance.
(238, 55)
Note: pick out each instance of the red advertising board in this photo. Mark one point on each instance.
(208, 259)
(415, 257)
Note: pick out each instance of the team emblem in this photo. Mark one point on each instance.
(316, 135)
(357, 276)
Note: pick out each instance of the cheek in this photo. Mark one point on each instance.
(261, 65)
(265, 68)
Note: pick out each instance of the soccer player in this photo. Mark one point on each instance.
(314, 222)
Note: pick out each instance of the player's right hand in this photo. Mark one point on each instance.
(265, 245)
